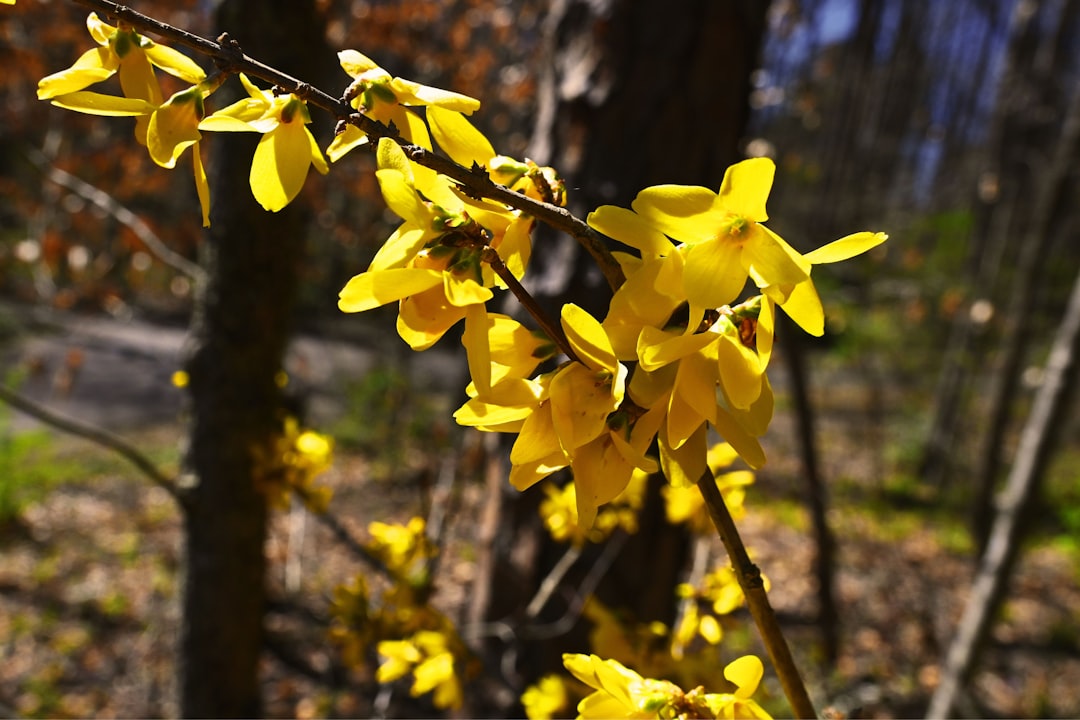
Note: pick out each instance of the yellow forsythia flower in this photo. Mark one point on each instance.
(287, 148)
(377, 94)
(547, 699)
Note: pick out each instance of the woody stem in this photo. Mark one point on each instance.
(753, 587)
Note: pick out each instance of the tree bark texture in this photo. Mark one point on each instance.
(238, 339)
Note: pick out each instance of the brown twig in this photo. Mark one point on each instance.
(229, 57)
(753, 586)
(93, 434)
(553, 331)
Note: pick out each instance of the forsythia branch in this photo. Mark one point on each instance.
(227, 54)
(750, 580)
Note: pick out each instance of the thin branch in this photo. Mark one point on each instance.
(753, 586)
(553, 331)
(121, 214)
(229, 57)
(552, 580)
(96, 435)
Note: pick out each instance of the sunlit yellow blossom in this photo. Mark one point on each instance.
(287, 148)
(801, 302)
(622, 693)
(559, 512)
(573, 415)
(547, 699)
(429, 656)
(290, 464)
(377, 94)
(171, 127)
(723, 233)
(691, 625)
(433, 263)
(467, 146)
(685, 504)
(404, 549)
(745, 673)
(125, 51)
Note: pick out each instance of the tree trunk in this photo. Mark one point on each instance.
(239, 334)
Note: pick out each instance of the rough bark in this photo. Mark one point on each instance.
(239, 335)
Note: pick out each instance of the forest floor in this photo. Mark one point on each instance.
(89, 551)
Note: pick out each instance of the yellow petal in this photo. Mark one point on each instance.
(721, 455)
(714, 274)
(355, 63)
(523, 477)
(740, 372)
(846, 247)
(656, 348)
(746, 445)
(412, 93)
(93, 66)
(401, 247)
(684, 465)
(463, 292)
(683, 419)
(687, 213)
(317, 159)
(408, 123)
(280, 165)
(202, 185)
(776, 261)
(649, 389)
(345, 141)
(401, 198)
(100, 30)
(588, 339)
(137, 78)
(175, 63)
(746, 187)
(630, 229)
(804, 307)
(580, 404)
(745, 673)
(425, 317)
(600, 474)
(174, 127)
(93, 103)
(477, 349)
(765, 331)
(537, 439)
(459, 138)
(372, 289)
(695, 382)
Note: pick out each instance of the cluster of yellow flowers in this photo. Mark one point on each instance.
(290, 464)
(679, 352)
(409, 635)
(698, 361)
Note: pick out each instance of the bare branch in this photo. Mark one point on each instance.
(121, 214)
(96, 435)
